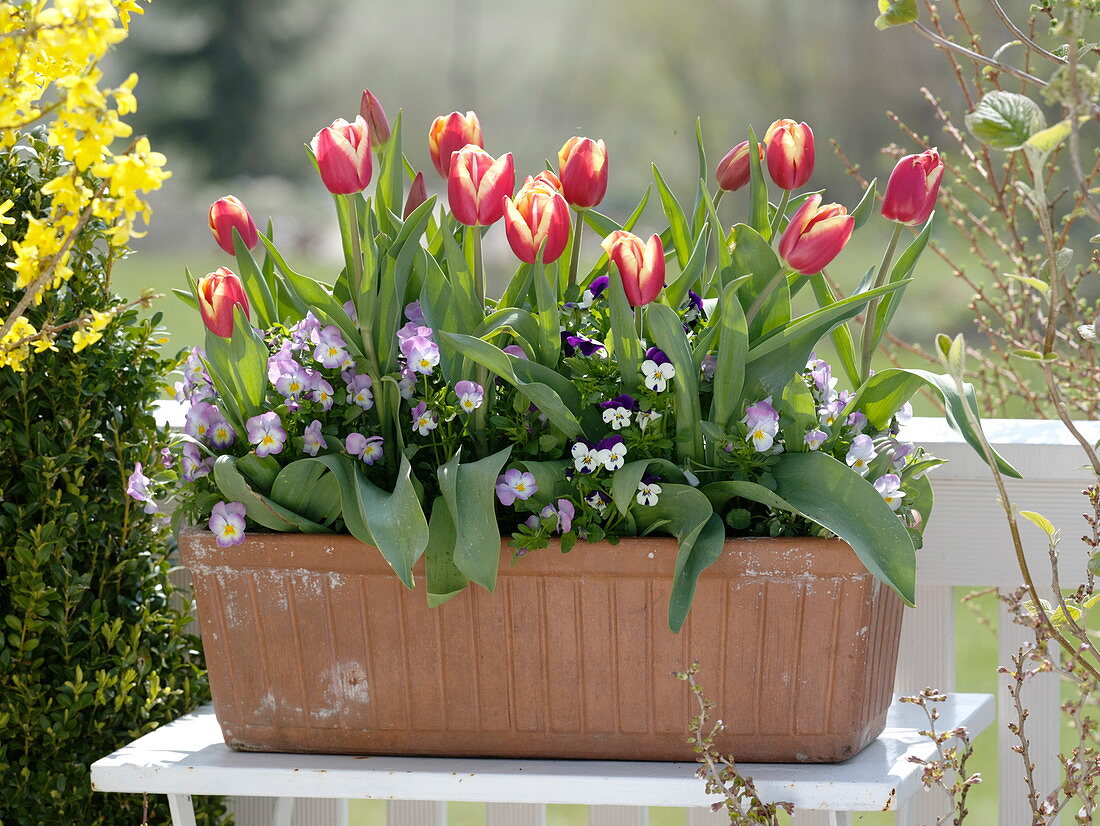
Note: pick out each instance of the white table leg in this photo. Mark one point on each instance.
(516, 814)
(183, 813)
(284, 811)
(804, 818)
(416, 813)
(618, 816)
(907, 814)
(705, 817)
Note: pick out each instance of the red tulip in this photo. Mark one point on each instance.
(815, 236)
(477, 185)
(790, 153)
(448, 134)
(582, 168)
(418, 194)
(343, 156)
(228, 214)
(914, 185)
(218, 293)
(378, 124)
(733, 170)
(537, 218)
(641, 265)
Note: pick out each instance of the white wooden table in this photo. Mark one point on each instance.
(188, 758)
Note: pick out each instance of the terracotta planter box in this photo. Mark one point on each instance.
(313, 645)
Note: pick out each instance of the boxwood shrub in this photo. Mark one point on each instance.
(93, 647)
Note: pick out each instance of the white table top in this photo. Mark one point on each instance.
(189, 757)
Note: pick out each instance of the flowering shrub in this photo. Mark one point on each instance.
(667, 387)
(49, 65)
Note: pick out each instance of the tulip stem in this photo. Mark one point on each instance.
(639, 322)
(474, 236)
(575, 255)
(780, 211)
(868, 343)
(356, 249)
(762, 296)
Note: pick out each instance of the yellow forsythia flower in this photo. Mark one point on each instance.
(50, 51)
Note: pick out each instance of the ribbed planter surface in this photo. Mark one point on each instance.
(313, 645)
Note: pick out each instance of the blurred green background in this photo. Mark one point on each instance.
(232, 91)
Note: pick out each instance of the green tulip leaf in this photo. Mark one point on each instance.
(839, 499)
(469, 491)
(685, 513)
(444, 580)
(260, 509)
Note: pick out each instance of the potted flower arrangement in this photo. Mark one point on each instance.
(604, 439)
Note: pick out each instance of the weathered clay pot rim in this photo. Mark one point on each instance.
(752, 556)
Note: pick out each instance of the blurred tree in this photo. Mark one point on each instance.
(211, 69)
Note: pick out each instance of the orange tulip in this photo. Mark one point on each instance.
(733, 170)
(913, 188)
(538, 218)
(641, 265)
(228, 214)
(448, 134)
(343, 156)
(815, 236)
(790, 153)
(477, 185)
(218, 293)
(582, 168)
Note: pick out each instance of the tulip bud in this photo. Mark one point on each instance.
(582, 168)
(537, 218)
(418, 194)
(815, 236)
(218, 293)
(733, 170)
(914, 185)
(545, 177)
(378, 124)
(641, 265)
(448, 134)
(477, 185)
(790, 153)
(228, 214)
(343, 156)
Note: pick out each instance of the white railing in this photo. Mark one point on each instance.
(967, 543)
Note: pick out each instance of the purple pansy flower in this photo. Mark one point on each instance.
(331, 352)
(192, 463)
(414, 312)
(586, 458)
(612, 452)
(571, 343)
(708, 365)
(227, 523)
(657, 355)
(421, 354)
(593, 291)
(359, 390)
(137, 487)
(470, 395)
(312, 440)
(815, 438)
(515, 484)
(322, 394)
(369, 449)
(622, 400)
(266, 432)
(889, 487)
(861, 453)
(517, 351)
(424, 421)
(762, 421)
